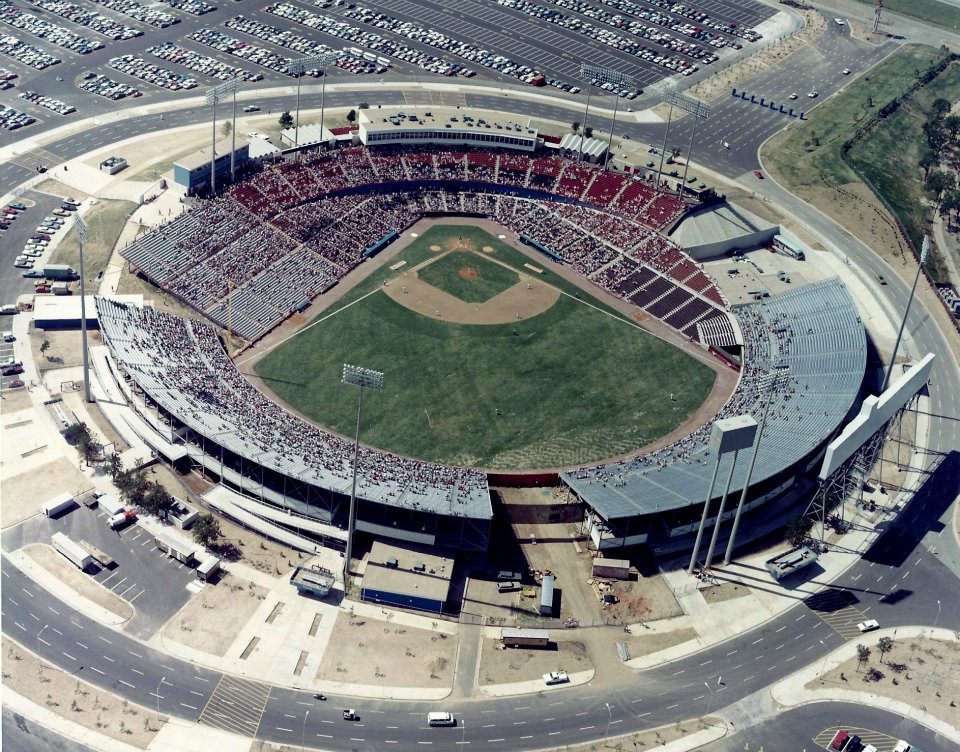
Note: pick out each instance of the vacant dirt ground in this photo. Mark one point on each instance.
(646, 644)
(726, 591)
(69, 575)
(14, 400)
(655, 738)
(644, 599)
(920, 672)
(82, 703)
(66, 349)
(24, 493)
(373, 651)
(201, 624)
(499, 665)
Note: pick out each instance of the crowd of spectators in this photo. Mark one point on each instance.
(182, 366)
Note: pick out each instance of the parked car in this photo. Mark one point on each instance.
(813, 94)
(840, 740)
(758, 174)
(869, 625)
(556, 677)
(793, 95)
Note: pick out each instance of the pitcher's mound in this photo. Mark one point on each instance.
(468, 273)
(435, 248)
(488, 249)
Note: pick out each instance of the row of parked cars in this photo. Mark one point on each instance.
(58, 35)
(297, 43)
(137, 67)
(208, 66)
(844, 741)
(196, 7)
(11, 119)
(7, 78)
(152, 16)
(61, 108)
(700, 17)
(89, 18)
(38, 243)
(26, 54)
(103, 86)
(244, 50)
(699, 30)
(432, 38)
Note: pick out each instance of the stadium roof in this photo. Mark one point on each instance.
(813, 331)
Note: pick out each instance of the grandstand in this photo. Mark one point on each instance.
(816, 335)
(182, 372)
(325, 213)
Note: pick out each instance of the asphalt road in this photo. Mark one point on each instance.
(23, 735)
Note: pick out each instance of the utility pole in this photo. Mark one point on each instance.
(82, 235)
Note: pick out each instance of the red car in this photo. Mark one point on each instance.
(758, 174)
(840, 741)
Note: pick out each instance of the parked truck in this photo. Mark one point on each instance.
(60, 288)
(60, 271)
(72, 551)
(59, 503)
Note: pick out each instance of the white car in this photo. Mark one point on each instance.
(868, 626)
(793, 96)
(813, 94)
(846, 71)
(556, 677)
(839, 22)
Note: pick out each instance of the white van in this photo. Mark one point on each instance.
(441, 719)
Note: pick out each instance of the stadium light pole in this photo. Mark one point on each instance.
(723, 502)
(82, 234)
(700, 112)
(597, 75)
(686, 104)
(924, 251)
(363, 378)
(703, 517)
(300, 65)
(585, 75)
(215, 95)
(768, 384)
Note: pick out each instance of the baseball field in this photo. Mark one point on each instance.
(489, 361)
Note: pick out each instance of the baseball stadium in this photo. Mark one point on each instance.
(534, 322)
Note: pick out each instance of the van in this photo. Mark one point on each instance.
(441, 719)
(507, 587)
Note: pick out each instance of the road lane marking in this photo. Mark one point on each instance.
(57, 631)
(27, 592)
(68, 655)
(757, 641)
(731, 653)
(99, 637)
(187, 706)
(137, 671)
(54, 610)
(94, 668)
(135, 654)
(128, 684)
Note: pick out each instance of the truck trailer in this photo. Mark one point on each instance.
(60, 271)
(72, 551)
(59, 503)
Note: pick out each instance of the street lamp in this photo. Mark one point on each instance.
(935, 621)
(463, 736)
(609, 720)
(300, 65)
(303, 731)
(82, 234)
(924, 250)
(691, 106)
(709, 698)
(363, 378)
(162, 680)
(826, 655)
(215, 95)
(595, 75)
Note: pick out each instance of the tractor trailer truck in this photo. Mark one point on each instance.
(72, 551)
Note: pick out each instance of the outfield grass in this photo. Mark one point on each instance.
(807, 153)
(570, 385)
(469, 277)
(890, 155)
(105, 222)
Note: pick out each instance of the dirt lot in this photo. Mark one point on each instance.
(405, 656)
(646, 644)
(201, 624)
(645, 599)
(921, 672)
(14, 400)
(24, 493)
(65, 349)
(500, 665)
(69, 575)
(89, 706)
(726, 591)
(654, 738)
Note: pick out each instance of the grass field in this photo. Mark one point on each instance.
(474, 281)
(105, 223)
(934, 12)
(570, 385)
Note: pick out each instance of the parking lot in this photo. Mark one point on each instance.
(188, 44)
(155, 584)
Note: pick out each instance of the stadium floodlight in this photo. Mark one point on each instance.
(595, 75)
(364, 378)
(215, 95)
(300, 65)
(768, 385)
(82, 234)
(924, 252)
(690, 105)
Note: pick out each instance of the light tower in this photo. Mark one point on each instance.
(215, 95)
(300, 65)
(595, 75)
(363, 378)
(924, 251)
(82, 234)
(691, 106)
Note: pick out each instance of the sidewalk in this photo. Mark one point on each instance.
(534, 686)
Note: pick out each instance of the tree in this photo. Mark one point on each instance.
(226, 128)
(676, 151)
(884, 645)
(927, 162)
(206, 529)
(155, 499)
(863, 655)
(352, 116)
(114, 466)
(797, 529)
(940, 107)
(588, 132)
(44, 346)
(286, 120)
(133, 484)
(575, 126)
(952, 124)
(939, 181)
